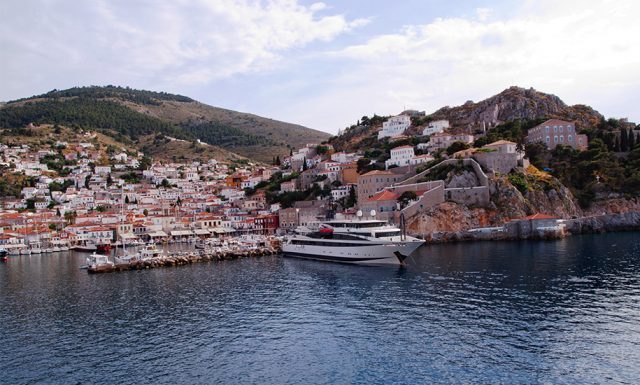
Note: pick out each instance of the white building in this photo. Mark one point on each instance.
(343, 157)
(435, 127)
(102, 170)
(395, 126)
(400, 156)
(419, 159)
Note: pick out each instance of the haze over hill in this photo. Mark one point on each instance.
(137, 115)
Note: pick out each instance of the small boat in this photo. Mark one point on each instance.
(87, 247)
(126, 258)
(98, 263)
(3, 254)
(149, 251)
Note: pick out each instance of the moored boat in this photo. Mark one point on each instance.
(365, 242)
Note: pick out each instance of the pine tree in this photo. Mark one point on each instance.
(278, 160)
(616, 145)
(126, 199)
(632, 140)
(304, 164)
(624, 140)
(352, 199)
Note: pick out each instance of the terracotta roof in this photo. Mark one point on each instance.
(397, 148)
(384, 195)
(499, 143)
(378, 172)
(555, 121)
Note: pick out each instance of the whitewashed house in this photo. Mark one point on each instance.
(395, 126)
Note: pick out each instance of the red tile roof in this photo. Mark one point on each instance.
(385, 195)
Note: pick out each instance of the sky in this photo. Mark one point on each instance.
(326, 64)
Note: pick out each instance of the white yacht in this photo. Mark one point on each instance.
(365, 242)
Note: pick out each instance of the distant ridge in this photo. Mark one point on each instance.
(137, 114)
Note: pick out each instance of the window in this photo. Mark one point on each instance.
(560, 128)
(561, 138)
(548, 138)
(569, 128)
(570, 138)
(555, 139)
(547, 128)
(555, 128)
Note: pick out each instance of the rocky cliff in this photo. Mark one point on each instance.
(515, 103)
(546, 196)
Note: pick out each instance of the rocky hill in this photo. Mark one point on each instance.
(136, 115)
(515, 103)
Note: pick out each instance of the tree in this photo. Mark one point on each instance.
(304, 164)
(407, 197)
(126, 199)
(165, 183)
(616, 146)
(352, 198)
(70, 216)
(456, 146)
(624, 140)
(109, 180)
(632, 140)
(362, 163)
(278, 163)
(145, 212)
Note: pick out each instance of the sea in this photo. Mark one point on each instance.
(531, 312)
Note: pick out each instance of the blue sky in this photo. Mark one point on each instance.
(325, 64)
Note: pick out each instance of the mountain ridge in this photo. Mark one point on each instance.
(178, 116)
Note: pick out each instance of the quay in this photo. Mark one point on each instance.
(185, 258)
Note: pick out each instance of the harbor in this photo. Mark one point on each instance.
(518, 312)
(183, 258)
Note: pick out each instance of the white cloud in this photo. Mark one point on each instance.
(169, 43)
(585, 52)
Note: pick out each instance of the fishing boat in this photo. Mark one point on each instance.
(86, 246)
(99, 263)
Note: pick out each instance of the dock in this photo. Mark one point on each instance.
(185, 258)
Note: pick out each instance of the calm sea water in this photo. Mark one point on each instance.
(565, 311)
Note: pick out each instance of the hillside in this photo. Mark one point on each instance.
(135, 114)
(514, 103)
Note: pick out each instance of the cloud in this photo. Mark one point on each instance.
(582, 51)
(167, 43)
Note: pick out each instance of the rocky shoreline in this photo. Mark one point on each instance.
(628, 221)
(181, 259)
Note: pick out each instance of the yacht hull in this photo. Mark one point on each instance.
(379, 254)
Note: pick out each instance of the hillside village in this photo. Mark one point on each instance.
(435, 175)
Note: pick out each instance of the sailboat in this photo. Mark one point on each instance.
(124, 257)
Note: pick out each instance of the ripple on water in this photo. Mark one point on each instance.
(518, 312)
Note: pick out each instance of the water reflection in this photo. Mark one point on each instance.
(512, 312)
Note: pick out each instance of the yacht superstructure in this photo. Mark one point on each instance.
(367, 242)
